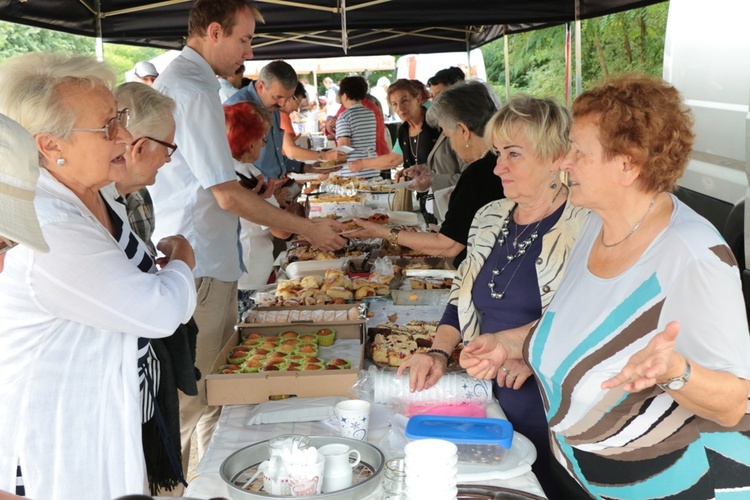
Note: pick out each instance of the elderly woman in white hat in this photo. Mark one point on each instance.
(71, 319)
(19, 172)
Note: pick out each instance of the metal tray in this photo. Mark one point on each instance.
(240, 465)
(476, 492)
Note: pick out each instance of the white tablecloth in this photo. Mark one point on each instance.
(232, 434)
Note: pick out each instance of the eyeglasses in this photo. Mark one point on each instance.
(171, 148)
(265, 139)
(6, 244)
(110, 128)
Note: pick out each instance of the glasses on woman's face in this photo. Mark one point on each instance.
(265, 139)
(112, 126)
(6, 244)
(171, 148)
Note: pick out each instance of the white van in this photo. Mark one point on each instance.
(707, 57)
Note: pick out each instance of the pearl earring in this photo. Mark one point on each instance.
(61, 162)
(467, 144)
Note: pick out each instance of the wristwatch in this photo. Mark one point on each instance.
(675, 384)
(393, 236)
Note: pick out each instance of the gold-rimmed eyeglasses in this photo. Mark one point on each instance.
(110, 128)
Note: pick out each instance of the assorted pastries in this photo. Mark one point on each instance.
(333, 288)
(392, 344)
(288, 351)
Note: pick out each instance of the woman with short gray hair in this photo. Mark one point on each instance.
(72, 319)
(465, 110)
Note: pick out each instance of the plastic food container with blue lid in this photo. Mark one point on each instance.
(480, 441)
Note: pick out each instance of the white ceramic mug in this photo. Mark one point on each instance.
(354, 418)
(337, 473)
(306, 480)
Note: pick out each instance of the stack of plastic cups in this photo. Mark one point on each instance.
(431, 468)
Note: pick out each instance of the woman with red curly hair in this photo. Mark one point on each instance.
(247, 126)
(643, 356)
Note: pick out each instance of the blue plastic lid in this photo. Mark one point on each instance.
(461, 430)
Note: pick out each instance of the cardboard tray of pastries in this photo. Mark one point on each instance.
(274, 360)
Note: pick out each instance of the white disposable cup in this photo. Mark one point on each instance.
(306, 480)
(430, 449)
(425, 463)
(354, 418)
(431, 473)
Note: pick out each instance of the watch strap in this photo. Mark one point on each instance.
(668, 385)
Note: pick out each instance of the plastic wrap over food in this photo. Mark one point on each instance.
(386, 387)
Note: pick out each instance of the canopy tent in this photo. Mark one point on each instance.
(318, 28)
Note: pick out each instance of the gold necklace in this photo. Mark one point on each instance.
(414, 150)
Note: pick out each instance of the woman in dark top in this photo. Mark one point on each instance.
(462, 111)
(517, 251)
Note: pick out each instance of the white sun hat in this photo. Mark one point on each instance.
(19, 171)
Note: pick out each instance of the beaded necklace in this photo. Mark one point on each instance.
(521, 248)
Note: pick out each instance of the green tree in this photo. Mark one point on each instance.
(627, 41)
(18, 39)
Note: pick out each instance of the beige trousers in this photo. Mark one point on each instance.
(216, 316)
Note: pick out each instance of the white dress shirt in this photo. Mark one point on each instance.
(257, 243)
(226, 89)
(183, 201)
(69, 324)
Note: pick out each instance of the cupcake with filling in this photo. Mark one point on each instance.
(309, 337)
(326, 336)
(230, 368)
(339, 363)
(312, 367)
(307, 350)
(237, 357)
(274, 365)
(289, 335)
(252, 365)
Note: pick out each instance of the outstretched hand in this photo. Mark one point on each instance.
(655, 362)
(483, 356)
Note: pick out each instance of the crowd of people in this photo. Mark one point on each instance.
(135, 221)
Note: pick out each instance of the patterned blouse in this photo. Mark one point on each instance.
(556, 246)
(645, 445)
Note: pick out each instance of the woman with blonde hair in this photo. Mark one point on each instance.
(517, 252)
(72, 318)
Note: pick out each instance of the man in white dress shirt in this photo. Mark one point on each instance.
(231, 84)
(198, 195)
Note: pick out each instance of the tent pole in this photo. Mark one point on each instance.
(99, 43)
(468, 51)
(507, 61)
(579, 79)
(344, 41)
(567, 64)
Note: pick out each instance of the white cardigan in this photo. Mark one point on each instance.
(69, 323)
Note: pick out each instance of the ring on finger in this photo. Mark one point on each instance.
(504, 369)
(510, 375)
